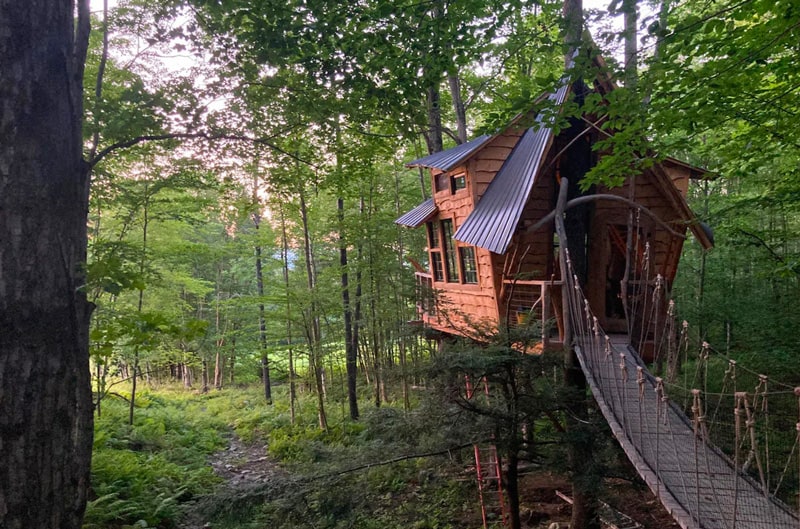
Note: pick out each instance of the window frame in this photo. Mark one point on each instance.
(458, 177)
(449, 252)
(435, 250)
(465, 272)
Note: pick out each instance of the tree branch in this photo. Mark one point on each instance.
(194, 136)
(602, 196)
(80, 49)
(98, 87)
(761, 242)
(394, 460)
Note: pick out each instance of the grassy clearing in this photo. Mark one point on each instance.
(150, 474)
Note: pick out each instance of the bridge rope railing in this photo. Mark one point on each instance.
(705, 412)
(753, 417)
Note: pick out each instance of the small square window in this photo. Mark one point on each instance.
(459, 182)
(443, 182)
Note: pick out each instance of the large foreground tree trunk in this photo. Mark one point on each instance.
(45, 394)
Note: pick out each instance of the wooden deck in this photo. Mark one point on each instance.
(696, 482)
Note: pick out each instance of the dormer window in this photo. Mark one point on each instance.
(450, 182)
(442, 182)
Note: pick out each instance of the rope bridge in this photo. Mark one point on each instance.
(715, 442)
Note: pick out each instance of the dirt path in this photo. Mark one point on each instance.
(244, 467)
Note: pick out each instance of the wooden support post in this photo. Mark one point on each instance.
(580, 449)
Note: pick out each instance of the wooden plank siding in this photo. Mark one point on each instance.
(466, 309)
(483, 166)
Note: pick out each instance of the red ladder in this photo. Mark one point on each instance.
(488, 470)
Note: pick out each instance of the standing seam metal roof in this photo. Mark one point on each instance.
(417, 216)
(446, 160)
(492, 223)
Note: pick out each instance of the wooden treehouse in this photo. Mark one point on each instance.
(491, 265)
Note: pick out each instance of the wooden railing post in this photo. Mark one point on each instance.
(545, 315)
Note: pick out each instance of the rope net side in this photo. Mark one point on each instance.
(715, 441)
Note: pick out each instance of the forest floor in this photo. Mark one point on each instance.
(542, 503)
(245, 467)
(223, 461)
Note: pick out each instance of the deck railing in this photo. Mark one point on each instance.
(527, 302)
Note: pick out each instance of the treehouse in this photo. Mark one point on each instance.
(493, 253)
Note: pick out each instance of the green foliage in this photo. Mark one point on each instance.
(148, 470)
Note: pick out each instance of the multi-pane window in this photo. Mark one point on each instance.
(469, 267)
(437, 264)
(433, 235)
(450, 261)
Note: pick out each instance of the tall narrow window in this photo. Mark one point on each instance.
(449, 251)
(437, 264)
(469, 267)
(433, 235)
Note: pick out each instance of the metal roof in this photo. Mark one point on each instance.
(417, 216)
(493, 221)
(446, 160)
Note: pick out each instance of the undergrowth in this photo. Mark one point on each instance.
(150, 474)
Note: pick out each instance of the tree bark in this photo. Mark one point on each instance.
(458, 105)
(572, 11)
(434, 135)
(232, 368)
(45, 391)
(140, 304)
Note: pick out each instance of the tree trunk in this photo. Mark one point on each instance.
(458, 105)
(285, 262)
(262, 321)
(46, 405)
(204, 374)
(572, 11)
(220, 341)
(140, 304)
(314, 334)
(631, 43)
(579, 439)
(188, 376)
(351, 347)
(434, 135)
(232, 368)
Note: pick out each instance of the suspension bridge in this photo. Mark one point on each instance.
(719, 458)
